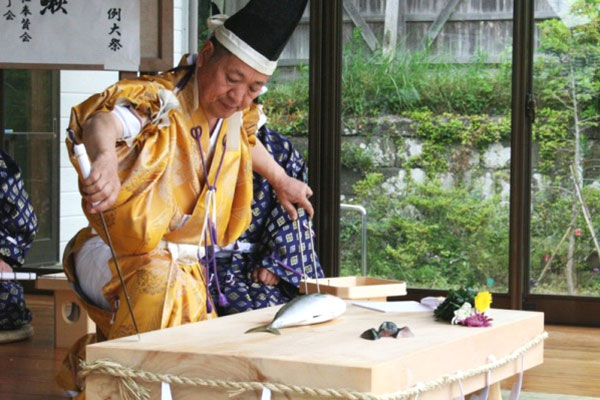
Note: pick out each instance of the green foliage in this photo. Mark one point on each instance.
(433, 158)
(567, 74)
(429, 236)
(551, 132)
(374, 83)
(568, 96)
(17, 91)
(552, 213)
(357, 158)
(439, 132)
(478, 131)
(286, 105)
(434, 237)
(454, 300)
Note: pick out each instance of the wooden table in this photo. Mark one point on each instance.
(329, 355)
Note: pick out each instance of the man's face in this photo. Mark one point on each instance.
(225, 84)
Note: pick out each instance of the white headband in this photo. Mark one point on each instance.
(238, 47)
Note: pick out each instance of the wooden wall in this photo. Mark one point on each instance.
(473, 26)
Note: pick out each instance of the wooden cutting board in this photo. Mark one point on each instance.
(328, 355)
(356, 287)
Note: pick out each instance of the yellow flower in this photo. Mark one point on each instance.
(483, 301)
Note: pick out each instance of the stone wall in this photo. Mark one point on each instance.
(390, 141)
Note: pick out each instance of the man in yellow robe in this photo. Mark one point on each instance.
(151, 184)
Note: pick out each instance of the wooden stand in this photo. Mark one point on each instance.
(71, 321)
(357, 287)
(330, 355)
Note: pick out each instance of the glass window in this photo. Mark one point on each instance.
(29, 123)
(565, 214)
(426, 143)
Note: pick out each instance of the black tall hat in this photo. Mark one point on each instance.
(258, 32)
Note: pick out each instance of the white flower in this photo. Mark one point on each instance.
(463, 312)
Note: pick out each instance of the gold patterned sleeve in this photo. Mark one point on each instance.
(140, 94)
(251, 121)
(144, 207)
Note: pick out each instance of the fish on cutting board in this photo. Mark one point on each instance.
(304, 310)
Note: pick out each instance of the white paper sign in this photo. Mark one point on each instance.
(86, 32)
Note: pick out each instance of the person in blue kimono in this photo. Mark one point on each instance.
(18, 226)
(264, 267)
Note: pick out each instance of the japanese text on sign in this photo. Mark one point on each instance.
(68, 32)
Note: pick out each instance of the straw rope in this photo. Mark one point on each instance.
(131, 390)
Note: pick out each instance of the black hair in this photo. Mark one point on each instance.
(220, 50)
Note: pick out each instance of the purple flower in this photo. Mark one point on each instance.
(477, 320)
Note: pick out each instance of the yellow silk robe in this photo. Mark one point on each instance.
(162, 180)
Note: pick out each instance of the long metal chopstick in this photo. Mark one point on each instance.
(86, 169)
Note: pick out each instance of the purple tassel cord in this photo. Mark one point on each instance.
(213, 237)
(210, 258)
(283, 265)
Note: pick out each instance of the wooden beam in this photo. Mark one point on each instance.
(520, 157)
(402, 16)
(394, 31)
(438, 24)
(359, 21)
(390, 28)
(127, 75)
(455, 17)
(161, 58)
(325, 127)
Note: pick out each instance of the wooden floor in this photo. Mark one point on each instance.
(29, 367)
(571, 365)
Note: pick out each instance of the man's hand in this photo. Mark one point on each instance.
(265, 277)
(292, 192)
(4, 267)
(101, 188)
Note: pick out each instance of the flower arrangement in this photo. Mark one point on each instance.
(466, 307)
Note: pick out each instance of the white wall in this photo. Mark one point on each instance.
(180, 25)
(75, 87)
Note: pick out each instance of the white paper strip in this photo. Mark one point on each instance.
(165, 391)
(266, 394)
(20, 276)
(393, 306)
(515, 392)
(485, 393)
(461, 390)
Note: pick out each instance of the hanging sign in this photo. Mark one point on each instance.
(103, 33)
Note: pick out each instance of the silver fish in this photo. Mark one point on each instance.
(304, 310)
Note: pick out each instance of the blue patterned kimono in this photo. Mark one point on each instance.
(275, 240)
(18, 226)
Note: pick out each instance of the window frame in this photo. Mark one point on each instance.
(44, 252)
(325, 149)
